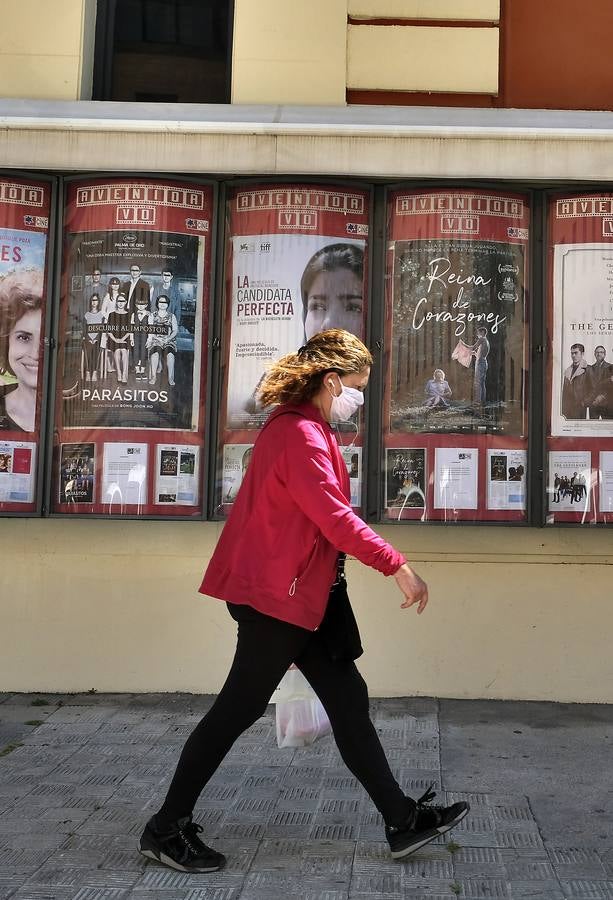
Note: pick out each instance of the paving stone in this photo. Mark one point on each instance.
(159, 878)
(93, 893)
(300, 824)
(174, 894)
(483, 888)
(587, 889)
(576, 862)
(384, 884)
(221, 893)
(535, 890)
(34, 892)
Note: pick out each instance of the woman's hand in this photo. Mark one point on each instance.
(415, 590)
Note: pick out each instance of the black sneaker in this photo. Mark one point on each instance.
(180, 847)
(424, 825)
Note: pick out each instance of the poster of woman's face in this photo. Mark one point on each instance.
(21, 302)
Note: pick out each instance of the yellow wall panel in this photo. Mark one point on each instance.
(114, 606)
(289, 52)
(46, 51)
(42, 27)
(476, 10)
(407, 58)
(40, 77)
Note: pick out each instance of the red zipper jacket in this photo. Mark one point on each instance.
(279, 547)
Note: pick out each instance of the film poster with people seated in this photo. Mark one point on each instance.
(24, 227)
(133, 326)
(580, 344)
(296, 265)
(457, 321)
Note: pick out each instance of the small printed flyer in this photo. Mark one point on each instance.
(17, 471)
(176, 474)
(405, 483)
(569, 482)
(124, 473)
(606, 481)
(77, 470)
(506, 479)
(455, 477)
(353, 461)
(236, 458)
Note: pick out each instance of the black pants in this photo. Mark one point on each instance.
(265, 649)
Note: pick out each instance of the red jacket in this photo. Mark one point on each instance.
(279, 547)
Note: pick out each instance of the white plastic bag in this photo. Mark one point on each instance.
(301, 718)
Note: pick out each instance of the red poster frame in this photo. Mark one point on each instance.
(471, 212)
(149, 205)
(26, 205)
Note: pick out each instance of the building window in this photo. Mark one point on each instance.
(164, 51)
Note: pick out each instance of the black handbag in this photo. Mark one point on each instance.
(339, 630)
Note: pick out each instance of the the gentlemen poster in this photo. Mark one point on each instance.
(581, 229)
(24, 225)
(133, 304)
(458, 312)
(297, 258)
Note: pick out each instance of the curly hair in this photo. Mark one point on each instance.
(296, 377)
(20, 292)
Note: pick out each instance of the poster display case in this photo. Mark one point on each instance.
(579, 382)
(25, 210)
(296, 264)
(132, 349)
(455, 405)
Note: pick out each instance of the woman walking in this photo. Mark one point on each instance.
(274, 566)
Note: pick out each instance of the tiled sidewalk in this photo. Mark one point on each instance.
(77, 788)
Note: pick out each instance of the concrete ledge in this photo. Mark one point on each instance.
(385, 142)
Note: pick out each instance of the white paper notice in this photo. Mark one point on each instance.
(17, 468)
(606, 481)
(124, 475)
(176, 474)
(353, 461)
(570, 479)
(506, 479)
(455, 477)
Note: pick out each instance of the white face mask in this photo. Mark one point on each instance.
(346, 404)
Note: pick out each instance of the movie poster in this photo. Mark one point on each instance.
(297, 266)
(24, 225)
(458, 312)
(582, 328)
(133, 305)
(133, 327)
(77, 473)
(236, 458)
(405, 479)
(569, 481)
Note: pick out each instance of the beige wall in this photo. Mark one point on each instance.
(514, 613)
(46, 49)
(459, 10)
(289, 52)
(407, 58)
(282, 54)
